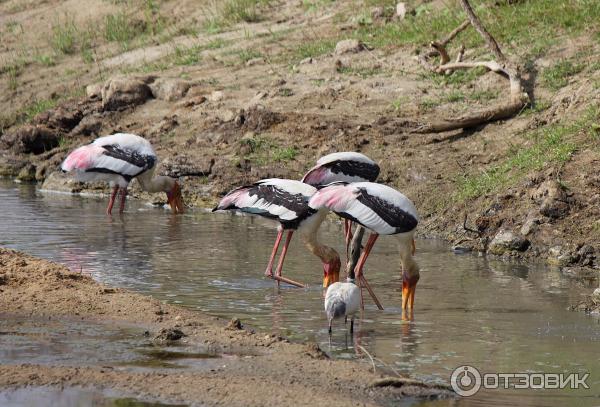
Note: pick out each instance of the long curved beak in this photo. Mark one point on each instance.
(331, 272)
(409, 286)
(175, 199)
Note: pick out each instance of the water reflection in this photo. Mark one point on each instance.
(469, 310)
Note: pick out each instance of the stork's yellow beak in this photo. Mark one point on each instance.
(331, 272)
(175, 199)
(409, 286)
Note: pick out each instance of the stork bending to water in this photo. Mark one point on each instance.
(117, 159)
(382, 210)
(344, 166)
(286, 201)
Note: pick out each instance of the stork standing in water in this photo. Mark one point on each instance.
(286, 201)
(384, 211)
(345, 166)
(117, 159)
(342, 300)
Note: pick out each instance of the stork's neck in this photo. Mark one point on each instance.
(409, 266)
(155, 184)
(309, 235)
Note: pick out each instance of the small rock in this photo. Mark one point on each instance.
(505, 241)
(235, 324)
(458, 249)
(596, 294)
(257, 98)
(559, 257)
(401, 10)
(169, 89)
(94, 90)
(216, 96)
(348, 47)
(255, 61)
(27, 173)
(89, 125)
(169, 334)
(529, 226)
(225, 115)
(377, 12)
(120, 93)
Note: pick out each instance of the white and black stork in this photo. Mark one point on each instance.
(117, 159)
(382, 210)
(286, 201)
(346, 166)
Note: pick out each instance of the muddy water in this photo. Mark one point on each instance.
(470, 310)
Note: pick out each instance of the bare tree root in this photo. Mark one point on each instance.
(514, 104)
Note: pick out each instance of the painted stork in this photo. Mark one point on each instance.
(344, 166)
(286, 201)
(117, 159)
(382, 210)
(342, 300)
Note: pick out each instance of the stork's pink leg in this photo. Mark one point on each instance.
(123, 196)
(278, 276)
(288, 239)
(111, 201)
(358, 270)
(269, 270)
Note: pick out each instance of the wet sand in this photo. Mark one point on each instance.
(259, 370)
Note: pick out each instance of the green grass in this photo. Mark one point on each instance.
(187, 56)
(264, 150)
(64, 36)
(248, 54)
(30, 111)
(312, 49)
(484, 95)
(119, 28)
(45, 59)
(363, 72)
(533, 25)
(557, 76)
(552, 145)
(229, 12)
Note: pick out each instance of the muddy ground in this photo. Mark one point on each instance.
(259, 370)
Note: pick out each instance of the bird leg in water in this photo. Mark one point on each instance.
(360, 265)
(352, 325)
(123, 197)
(111, 201)
(269, 270)
(277, 275)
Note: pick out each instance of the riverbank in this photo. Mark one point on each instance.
(246, 367)
(234, 92)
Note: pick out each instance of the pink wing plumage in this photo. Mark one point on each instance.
(82, 158)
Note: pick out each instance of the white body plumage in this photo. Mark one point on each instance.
(342, 300)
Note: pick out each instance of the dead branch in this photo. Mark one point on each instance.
(487, 37)
(515, 103)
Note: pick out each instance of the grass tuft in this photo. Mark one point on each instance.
(557, 76)
(552, 145)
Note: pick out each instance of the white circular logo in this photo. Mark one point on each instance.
(465, 380)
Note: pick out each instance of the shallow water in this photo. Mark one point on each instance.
(495, 316)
